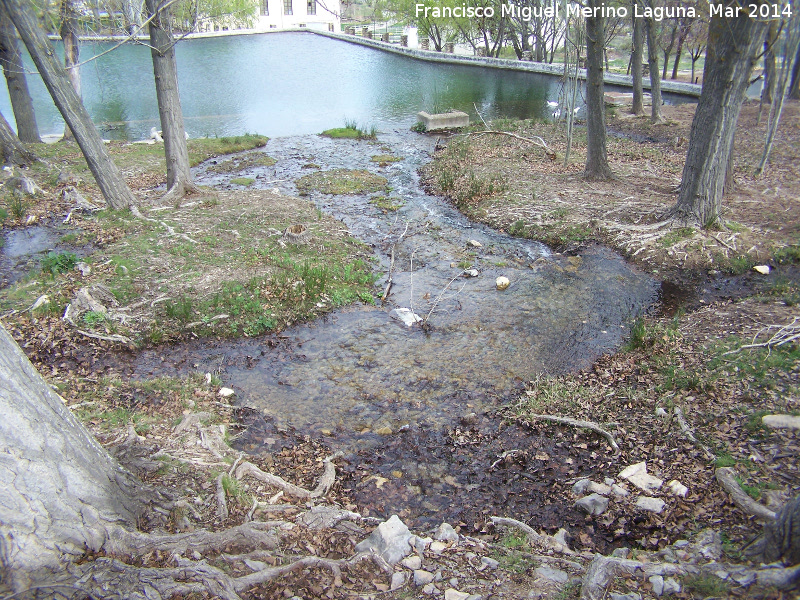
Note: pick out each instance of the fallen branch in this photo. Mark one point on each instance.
(785, 334)
(726, 477)
(323, 486)
(690, 436)
(582, 425)
(535, 140)
(222, 503)
(108, 338)
(600, 573)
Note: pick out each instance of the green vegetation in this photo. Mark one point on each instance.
(676, 235)
(18, 206)
(385, 159)
(243, 162)
(556, 234)
(56, 263)
(341, 181)
(243, 181)
(351, 130)
(387, 204)
(706, 586)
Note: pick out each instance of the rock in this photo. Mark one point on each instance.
(398, 581)
(325, 517)
(658, 584)
(763, 269)
(429, 589)
(502, 283)
(671, 586)
(650, 504)
(413, 562)
(225, 392)
(781, 421)
(84, 268)
(593, 504)
(628, 596)
(385, 430)
(561, 537)
(469, 419)
(556, 575)
(638, 476)
(619, 491)
(420, 544)
(598, 488)
(660, 412)
(405, 315)
(451, 594)
(40, 301)
(680, 544)
(708, 544)
(437, 547)
(580, 486)
(745, 578)
(621, 552)
(390, 540)
(489, 562)
(475, 244)
(446, 533)
(155, 134)
(422, 577)
(677, 488)
(471, 272)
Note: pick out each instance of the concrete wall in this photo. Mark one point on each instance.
(675, 87)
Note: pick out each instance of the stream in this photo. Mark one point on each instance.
(394, 396)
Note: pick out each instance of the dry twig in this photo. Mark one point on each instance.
(581, 424)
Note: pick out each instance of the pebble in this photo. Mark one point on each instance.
(451, 594)
(593, 504)
(422, 577)
(429, 589)
(412, 562)
(650, 504)
(398, 581)
(502, 283)
(437, 547)
(490, 562)
(475, 244)
(446, 533)
(225, 392)
(677, 488)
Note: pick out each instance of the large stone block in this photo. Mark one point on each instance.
(450, 120)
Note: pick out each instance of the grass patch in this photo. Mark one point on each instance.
(385, 159)
(675, 236)
(386, 204)
(706, 586)
(351, 130)
(243, 181)
(341, 181)
(556, 234)
(56, 263)
(241, 163)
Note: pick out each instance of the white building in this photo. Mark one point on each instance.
(290, 14)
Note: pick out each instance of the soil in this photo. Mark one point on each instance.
(507, 462)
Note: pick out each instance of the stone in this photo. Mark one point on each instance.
(628, 596)
(658, 584)
(781, 421)
(421, 544)
(556, 575)
(621, 552)
(385, 430)
(405, 315)
(422, 577)
(677, 488)
(593, 504)
(398, 581)
(745, 578)
(446, 533)
(608, 481)
(763, 269)
(650, 504)
(471, 272)
(437, 547)
(502, 283)
(598, 488)
(450, 120)
(225, 392)
(681, 544)
(429, 589)
(84, 268)
(412, 562)
(638, 476)
(490, 562)
(475, 244)
(580, 486)
(451, 594)
(619, 491)
(708, 543)
(390, 541)
(671, 586)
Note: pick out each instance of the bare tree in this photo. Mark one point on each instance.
(794, 85)
(14, 70)
(731, 56)
(165, 69)
(637, 51)
(14, 152)
(652, 59)
(69, 35)
(596, 154)
(105, 172)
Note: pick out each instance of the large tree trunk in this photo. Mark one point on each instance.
(794, 85)
(108, 177)
(596, 154)
(733, 45)
(768, 91)
(165, 69)
(69, 35)
(637, 108)
(21, 102)
(652, 59)
(60, 489)
(14, 153)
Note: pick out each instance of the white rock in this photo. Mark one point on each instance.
(660, 412)
(422, 577)
(658, 584)
(619, 491)
(628, 596)
(781, 421)
(671, 586)
(390, 540)
(446, 533)
(640, 467)
(677, 488)
(502, 283)
(451, 594)
(437, 547)
(429, 589)
(475, 244)
(398, 581)
(598, 488)
(471, 272)
(580, 486)
(225, 392)
(763, 269)
(413, 562)
(552, 574)
(594, 504)
(650, 504)
(84, 268)
(40, 301)
(638, 476)
(405, 315)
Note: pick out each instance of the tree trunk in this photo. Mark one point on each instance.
(105, 172)
(678, 53)
(668, 50)
(780, 539)
(637, 108)
(60, 489)
(768, 91)
(69, 35)
(165, 69)
(14, 153)
(21, 102)
(733, 44)
(794, 86)
(596, 155)
(655, 80)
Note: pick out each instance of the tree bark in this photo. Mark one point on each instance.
(733, 45)
(637, 108)
(14, 70)
(69, 35)
(794, 85)
(165, 69)
(596, 154)
(105, 172)
(652, 59)
(14, 153)
(768, 91)
(60, 489)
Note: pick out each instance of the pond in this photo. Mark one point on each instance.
(280, 84)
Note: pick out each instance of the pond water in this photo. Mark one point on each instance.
(286, 84)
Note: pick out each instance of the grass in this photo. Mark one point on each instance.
(706, 586)
(18, 206)
(351, 130)
(341, 181)
(676, 235)
(386, 204)
(243, 181)
(55, 263)
(241, 163)
(385, 159)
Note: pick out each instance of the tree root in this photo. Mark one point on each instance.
(689, 435)
(544, 541)
(785, 334)
(535, 140)
(726, 478)
(582, 425)
(170, 230)
(601, 571)
(323, 486)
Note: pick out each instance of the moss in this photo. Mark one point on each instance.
(341, 181)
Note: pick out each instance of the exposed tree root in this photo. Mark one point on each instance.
(689, 435)
(602, 570)
(544, 541)
(581, 424)
(170, 230)
(323, 486)
(726, 477)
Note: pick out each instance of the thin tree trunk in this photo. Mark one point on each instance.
(733, 45)
(794, 86)
(637, 108)
(14, 70)
(105, 172)
(655, 80)
(596, 154)
(165, 69)
(768, 91)
(69, 35)
(14, 153)
(668, 49)
(678, 53)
